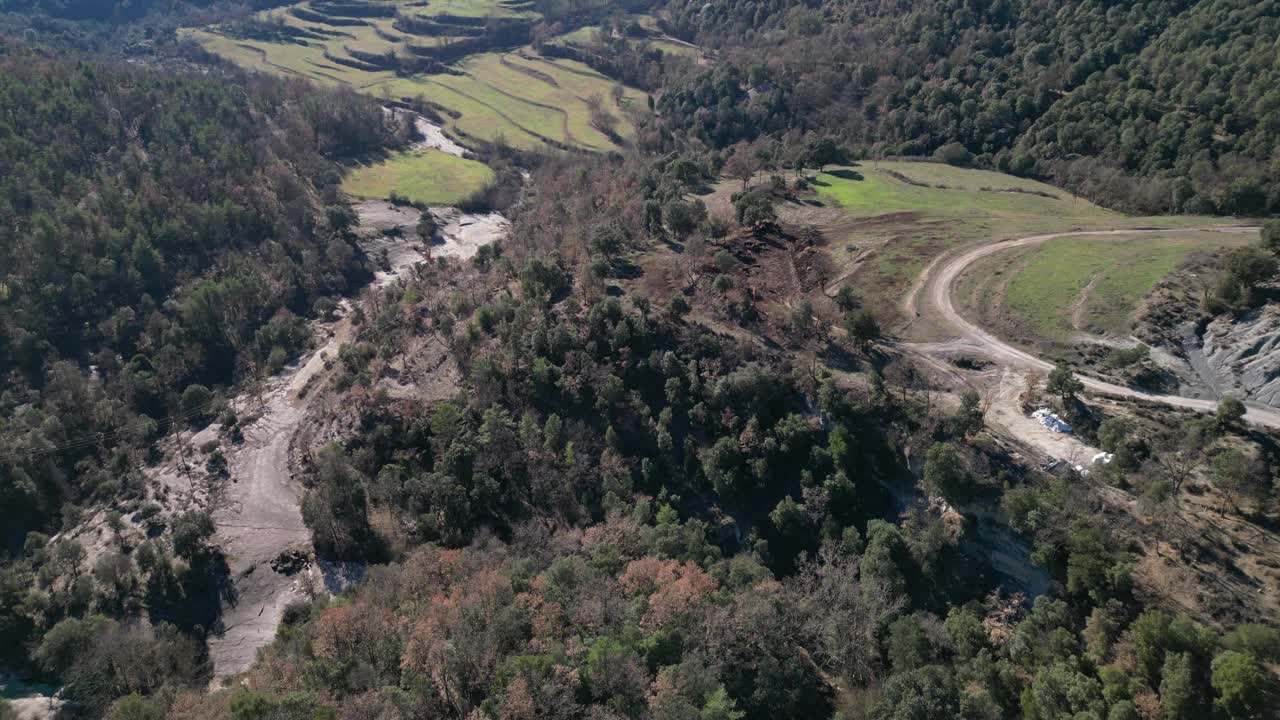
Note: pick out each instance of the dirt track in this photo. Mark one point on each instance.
(932, 296)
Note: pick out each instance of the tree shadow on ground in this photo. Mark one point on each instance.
(191, 598)
(840, 357)
(624, 269)
(847, 174)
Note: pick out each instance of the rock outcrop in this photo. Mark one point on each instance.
(1243, 354)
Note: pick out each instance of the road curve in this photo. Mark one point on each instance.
(938, 290)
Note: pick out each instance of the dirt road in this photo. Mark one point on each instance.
(932, 296)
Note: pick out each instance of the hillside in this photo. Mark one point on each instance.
(116, 27)
(1149, 107)
(159, 234)
(652, 499)
(1164, 105)
(643, 360)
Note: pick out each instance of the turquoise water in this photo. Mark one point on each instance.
(12, 688)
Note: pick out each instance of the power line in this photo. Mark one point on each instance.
(110, 435)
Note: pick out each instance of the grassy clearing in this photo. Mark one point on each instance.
(875, 190)
(426, 176)
(472, 8)
(1097, 283)
(573, 84)
(583, 34)
(656, 39)
(496, 100)
(905, 214)
(674, 48)
(292, 59)
(582, 81)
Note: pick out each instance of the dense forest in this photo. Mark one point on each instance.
(1154, 106)
(130, 27)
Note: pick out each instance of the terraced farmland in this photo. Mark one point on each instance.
(467, 56)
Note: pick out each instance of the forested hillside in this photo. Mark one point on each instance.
(160, 233)
(156, 232)
(1153, 106)
(624, 514)
(1162, 105)
(115, 26)
(1200, 107)
(645, 451)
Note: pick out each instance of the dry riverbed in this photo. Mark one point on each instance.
(257, 507)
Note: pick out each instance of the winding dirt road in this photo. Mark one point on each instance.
(932, 296)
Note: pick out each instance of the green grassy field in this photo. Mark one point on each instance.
(586, 34)
(495, 100)
(571, 85)
(905, 214)
(583, 34)
(426, 176)
(675, 48)
(951, 190)
(472, 8)
(529, 101)
(1095, 285)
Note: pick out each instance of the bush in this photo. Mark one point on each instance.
(1126, 357)
(190, 532)
(1230, 414)
(277, 359)
(542, 279)
(1271, 235)
(196, 403)
(714, 227)
(945, 475)
(862, 327)
(325, 308)
(137, 707)
(1245, 690)
(754, 209)
(480, 201)
(1261, 641)
(725, 262)
(953, 154)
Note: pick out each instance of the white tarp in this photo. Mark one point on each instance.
(1051, 421)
